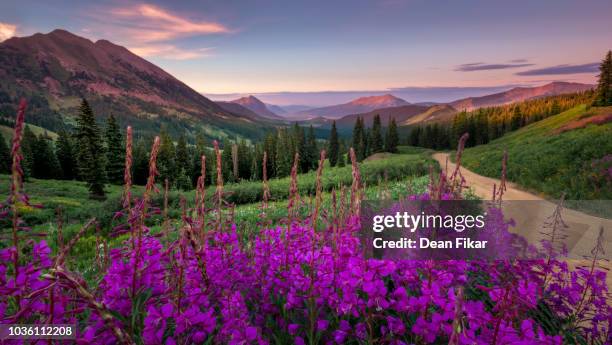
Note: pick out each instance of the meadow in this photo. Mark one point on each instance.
(565, 153)
(276, 262)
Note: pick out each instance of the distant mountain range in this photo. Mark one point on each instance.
(357, 106)
(519, 94)
(410, 114)
(55, 70)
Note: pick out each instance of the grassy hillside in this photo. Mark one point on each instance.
(562, 153)
(7, 132)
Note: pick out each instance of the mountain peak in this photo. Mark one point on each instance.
(257, 106)
(386, 100)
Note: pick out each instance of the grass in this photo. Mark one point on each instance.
(542, 158)
(7, 132)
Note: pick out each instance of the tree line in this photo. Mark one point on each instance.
(486, 124)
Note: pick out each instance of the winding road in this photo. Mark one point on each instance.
(582, 229)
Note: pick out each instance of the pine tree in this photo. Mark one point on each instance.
(376, 141)
(604, 87)
(284, 158)
(140, 163)
(65, 153)
(5, 156)
(364, 145)
(515, 121)
(183, 163)
(299, 144)
(166, 159)
(312, 150)
(392, 139)
(46, 165)
(358, 133)
(115, 151)
(227, 162)
(90, 152)
(333, 149)
(28, 143)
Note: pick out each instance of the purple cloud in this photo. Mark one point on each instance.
(481, 66)
(562, 69)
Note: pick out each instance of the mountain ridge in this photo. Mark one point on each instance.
(57, 69)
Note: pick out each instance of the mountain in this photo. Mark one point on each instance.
(357, 106)
(254, 104)
(276, 109)
(435, 113)
(55, 70)
(400, 114)
(519, 94)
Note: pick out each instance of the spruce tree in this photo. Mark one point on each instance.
(140, 163)
(284, 157)
(115, 151)
(392, 139)
(311, 148)
(166, 159)
(46, 165)
(333, 149)
(28, 143)
(5, 156)
(357, 137)
(376, 141)
(90, 151)
(364, 145)
(227, 163)
(604, 86)
(515, 121)
(65, 153)
(182, 156)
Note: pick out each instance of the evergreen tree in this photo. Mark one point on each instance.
(46, 165)
(284, 157)
(166, 158)
(376, 141)
(604, 86)
(299, 144)
(5, 156)
(311, 148)
(183, 163)
(227, 161)
(364, 146)
(392, 139)
(28, 143)
(90, 151)
(115, 152)
(358, 134)
(269, 146)
(515, 121)
(333, 149)
(65, 153)
(140, 163)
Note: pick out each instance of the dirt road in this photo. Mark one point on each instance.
(582, 229)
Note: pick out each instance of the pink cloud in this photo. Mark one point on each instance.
(151, 31)
(7, 31)
(152, 23)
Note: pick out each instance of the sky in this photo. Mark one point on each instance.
(325, 52)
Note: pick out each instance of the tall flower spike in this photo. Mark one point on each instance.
(17, 182)
(219, 190)
(318, 191)
(356, 186)
(294, 196)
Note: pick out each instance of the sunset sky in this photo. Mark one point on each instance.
(425, 50)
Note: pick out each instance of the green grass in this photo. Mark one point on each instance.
(72, 196)
(7, 132)
(543, 160)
